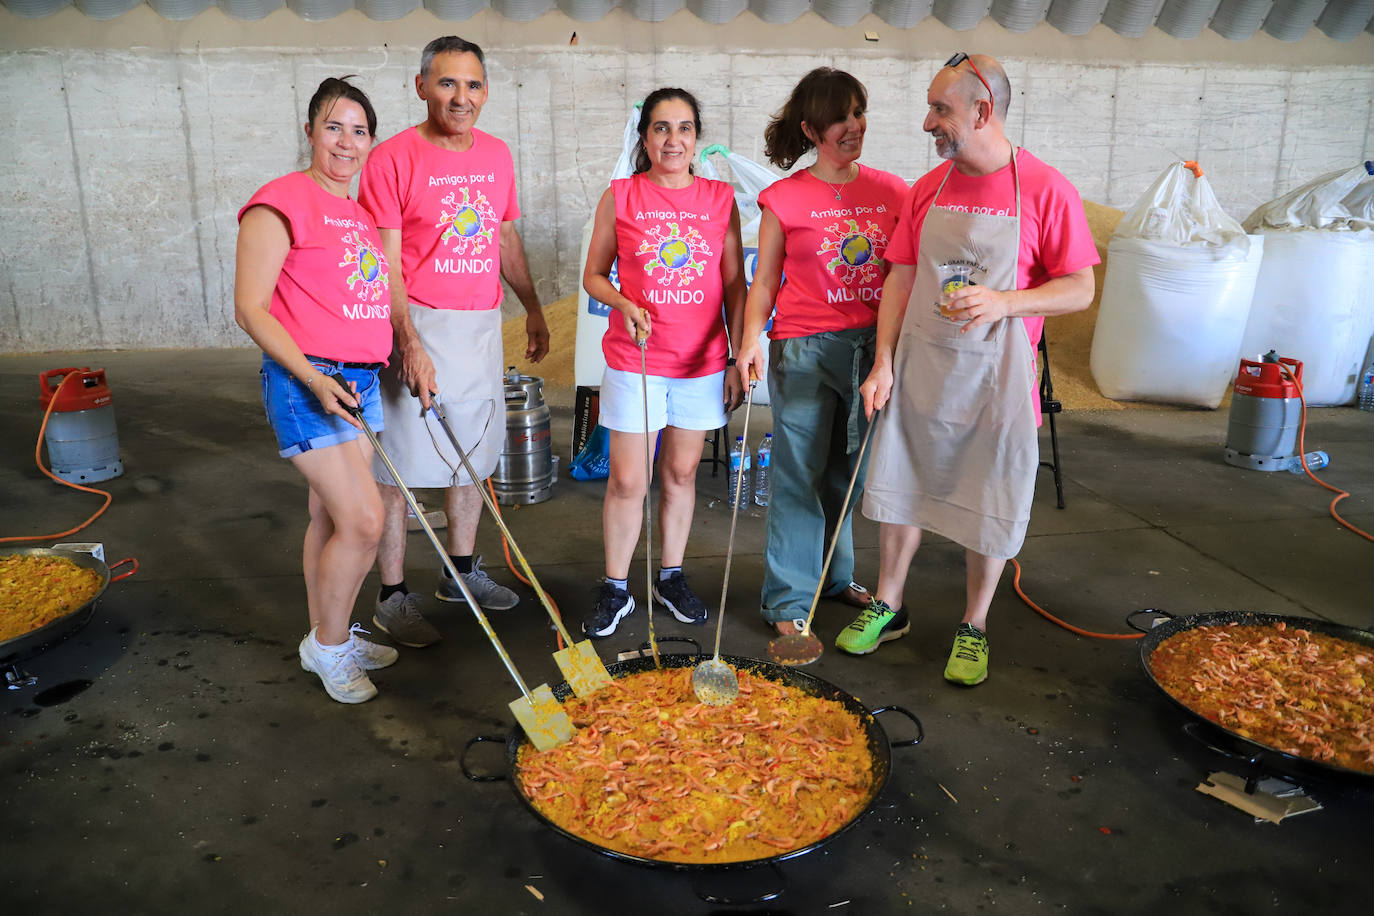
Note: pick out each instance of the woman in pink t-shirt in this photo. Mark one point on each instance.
(676, 240)
(311, 288)
(822, 238)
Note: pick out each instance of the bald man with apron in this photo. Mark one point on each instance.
(1000, 237)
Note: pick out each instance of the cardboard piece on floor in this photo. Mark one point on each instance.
(1264, 804)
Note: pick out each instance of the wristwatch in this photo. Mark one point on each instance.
(730, 361)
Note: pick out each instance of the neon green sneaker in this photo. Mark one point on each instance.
(876, 625)
(968, 660)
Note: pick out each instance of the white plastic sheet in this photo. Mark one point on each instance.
(1340, 200)
(1180, 209)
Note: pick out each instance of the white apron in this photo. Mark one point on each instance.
(465, 347)
(955, 451)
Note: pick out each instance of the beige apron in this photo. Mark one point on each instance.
(955, 451)
(465, 347)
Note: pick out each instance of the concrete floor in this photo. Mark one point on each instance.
(203, 771)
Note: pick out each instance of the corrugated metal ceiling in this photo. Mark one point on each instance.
(1288, 20)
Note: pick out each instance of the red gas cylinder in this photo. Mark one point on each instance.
(1262, 431)
(83, 445)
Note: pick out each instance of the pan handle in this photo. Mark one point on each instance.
(644, 646)
(124, 575)
(1130, 621)
(1194, 730)
(463, 759)
(920, 729)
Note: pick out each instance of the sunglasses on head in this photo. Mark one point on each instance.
(958, 59)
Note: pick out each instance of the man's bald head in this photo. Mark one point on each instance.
(996, 78)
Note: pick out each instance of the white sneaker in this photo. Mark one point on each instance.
(342, 676)
(370, 655)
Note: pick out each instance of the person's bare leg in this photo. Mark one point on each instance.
(622, 513)
(463, 507)
(678, 460)
(338, 476)
(982, 577)
(897, 545)
(391, 551)
(317, 534)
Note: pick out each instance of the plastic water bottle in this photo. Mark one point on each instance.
(1315, 462)
(761, 470)
(739, 464)
(1366, 391)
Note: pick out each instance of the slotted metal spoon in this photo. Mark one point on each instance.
(714, 682)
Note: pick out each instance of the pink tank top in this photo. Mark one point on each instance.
(333, 294)
(668, 244)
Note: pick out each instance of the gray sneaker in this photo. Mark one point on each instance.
(489, 595)
(399, 617)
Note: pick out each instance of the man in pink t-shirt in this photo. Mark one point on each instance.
(987, 246)
(443, 196)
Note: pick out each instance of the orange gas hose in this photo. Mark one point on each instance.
(511, 564)
(38, 460)
(1302, 452)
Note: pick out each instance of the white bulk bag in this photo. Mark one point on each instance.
(1176, 296)
(1314, 300)
(1170, 323)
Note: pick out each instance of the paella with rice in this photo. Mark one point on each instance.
(36, 590)
(652, 772)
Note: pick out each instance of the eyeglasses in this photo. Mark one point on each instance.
(958, 59)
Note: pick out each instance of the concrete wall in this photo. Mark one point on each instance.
(127, 147)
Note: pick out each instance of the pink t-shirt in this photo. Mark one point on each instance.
(668, 244)
(1055, 239)
(332, 294)
(833, 250)
(449, 207)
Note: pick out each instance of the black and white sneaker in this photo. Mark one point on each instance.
(674, 594)
(612, 606)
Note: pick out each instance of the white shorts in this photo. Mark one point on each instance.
(465, 347)
(687, 403)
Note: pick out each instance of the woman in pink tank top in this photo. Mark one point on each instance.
(311, 287)
(674, 241)
(820, 271)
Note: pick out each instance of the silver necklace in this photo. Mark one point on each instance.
(836, 187)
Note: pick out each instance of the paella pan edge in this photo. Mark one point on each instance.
(878, 744)
(1179, 624)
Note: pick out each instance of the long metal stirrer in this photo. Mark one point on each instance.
(734, 518)
(443, 554)
(648, 516)
(505, 531)
(835, 539)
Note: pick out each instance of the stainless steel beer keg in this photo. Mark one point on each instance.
(527, 468)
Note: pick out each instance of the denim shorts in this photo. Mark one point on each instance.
(686, 403)
(297, 418)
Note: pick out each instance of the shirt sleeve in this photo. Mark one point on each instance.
(379, 190)
(906, 238)
(1066, 242)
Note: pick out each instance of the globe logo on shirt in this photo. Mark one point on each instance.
(368, 265)
(856, 250)
(467, 222)
(367, 269)
(674, 254)
(853, 253)
(675, 257)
